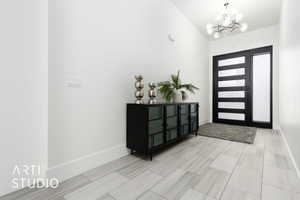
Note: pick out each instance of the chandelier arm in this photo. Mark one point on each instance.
(220, 30)
(233, 29)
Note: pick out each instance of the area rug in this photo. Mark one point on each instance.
(234, 133)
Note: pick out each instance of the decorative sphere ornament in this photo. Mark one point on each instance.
(139, 94)
(139, 85)
(152, 93)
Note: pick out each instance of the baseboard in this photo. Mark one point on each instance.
(203, 122)
(75, 167)
(290, 153)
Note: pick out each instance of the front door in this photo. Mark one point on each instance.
(242, 88)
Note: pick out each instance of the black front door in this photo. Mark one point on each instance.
(233, 100)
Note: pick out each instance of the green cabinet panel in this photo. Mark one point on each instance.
(172, 134)
(184, 119)
(172, 122)
(155, 126)
(194, 117)
(185, 130)
(193, 108)
(184, 109)
(155, 112)
(155, 140)
(171, 110)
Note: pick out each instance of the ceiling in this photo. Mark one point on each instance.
(257, 13)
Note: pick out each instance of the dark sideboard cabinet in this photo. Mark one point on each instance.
(152, 127)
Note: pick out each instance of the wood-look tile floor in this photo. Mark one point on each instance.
(199, 168)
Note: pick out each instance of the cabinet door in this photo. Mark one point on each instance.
(194, 108)
(155, 126)
(194, 117)
(172, 134)
(171, 122)
(184, 119)
(194, 122)
(171, 110)
(184, 130)
(156, 140)
(155, 112)
(184, 109)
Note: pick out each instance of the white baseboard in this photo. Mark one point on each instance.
(203, 122)
(75, 167)
(290, 152)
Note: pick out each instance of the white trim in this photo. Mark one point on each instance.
(203, 122)
(78, 166)
(290, 152)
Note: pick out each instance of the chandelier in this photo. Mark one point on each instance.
(228, 21)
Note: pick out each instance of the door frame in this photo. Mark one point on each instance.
(248, 83)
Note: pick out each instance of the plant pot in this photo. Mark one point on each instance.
(177, 97)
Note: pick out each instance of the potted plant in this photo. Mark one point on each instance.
(174, 90)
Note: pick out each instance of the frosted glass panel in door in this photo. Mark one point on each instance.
(233, 83)
(261, 87)
(231, 116)
(232, 94)
(231, 105)
(231, 61)
(232, 72)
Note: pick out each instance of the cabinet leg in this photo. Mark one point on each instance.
(150, 156)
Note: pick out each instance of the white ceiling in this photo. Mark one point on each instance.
(257, 13)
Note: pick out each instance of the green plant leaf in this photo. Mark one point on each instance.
(176, 80)
(189, 87)
(170, 94)
(168, 88)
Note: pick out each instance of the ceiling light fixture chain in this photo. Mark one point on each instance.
(228, 21)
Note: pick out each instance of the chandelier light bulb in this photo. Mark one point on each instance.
(243, 27)
(210, 31)
(209, 28)
(217, 35)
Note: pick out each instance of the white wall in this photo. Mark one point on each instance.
(23, 76)
(100, 46)
(249, 40)
(289, 71)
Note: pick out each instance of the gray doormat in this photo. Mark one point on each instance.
(229, 132)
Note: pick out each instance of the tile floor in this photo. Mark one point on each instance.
(200, 168)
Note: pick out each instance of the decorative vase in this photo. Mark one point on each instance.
(152, 93)
(139, 94)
